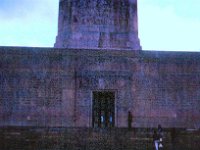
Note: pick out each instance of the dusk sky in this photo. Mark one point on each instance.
(163, 24)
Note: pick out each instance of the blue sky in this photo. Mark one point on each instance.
(163, 24)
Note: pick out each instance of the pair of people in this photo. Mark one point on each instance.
(157, 138)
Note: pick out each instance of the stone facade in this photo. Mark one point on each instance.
(98, 24)
(53, 87)
(58, 87)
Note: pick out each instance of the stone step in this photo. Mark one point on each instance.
(78, 139)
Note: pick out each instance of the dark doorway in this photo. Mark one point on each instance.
(103, 109)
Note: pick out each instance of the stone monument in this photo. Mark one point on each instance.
(97, 74)
(109, 24)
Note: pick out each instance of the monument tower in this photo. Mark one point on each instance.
(109, 24)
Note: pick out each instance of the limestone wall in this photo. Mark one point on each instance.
(53, 87)
(166, 87)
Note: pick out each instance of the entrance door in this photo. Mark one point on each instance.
(103, 109)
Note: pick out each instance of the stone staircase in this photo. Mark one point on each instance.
(90, 139)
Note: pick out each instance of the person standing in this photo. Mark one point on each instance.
(130, 119)
(156, 139)
(160, 134)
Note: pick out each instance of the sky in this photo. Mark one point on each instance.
(163, 24)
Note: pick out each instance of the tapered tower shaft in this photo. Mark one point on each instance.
(109, 24)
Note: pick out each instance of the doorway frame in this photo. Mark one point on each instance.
(115, 105)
